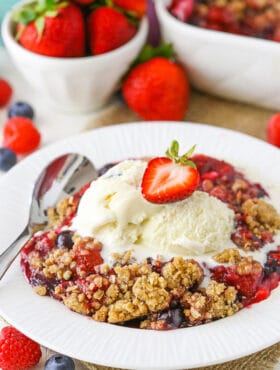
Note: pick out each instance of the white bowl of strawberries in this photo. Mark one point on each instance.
(75, 52)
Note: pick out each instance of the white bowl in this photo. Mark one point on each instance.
(241, 68)
(76, 85)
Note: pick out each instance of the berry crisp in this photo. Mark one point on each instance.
(256, 18)
(159, 293)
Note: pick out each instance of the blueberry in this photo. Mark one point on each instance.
(173, 317)
(8, 159)
(21, 109)
(59, 362)
(64, 239)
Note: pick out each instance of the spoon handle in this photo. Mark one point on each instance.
(10, 254)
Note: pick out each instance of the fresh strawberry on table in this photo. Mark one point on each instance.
(109, 29)
(171, 178)
(6, 92)
(273, 130)
(137, 7)
(52, 28)
(157, 88)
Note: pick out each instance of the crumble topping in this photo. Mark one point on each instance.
(65, 208)
(260, 216)
(216, 302)
(182, 273)
(228, 255)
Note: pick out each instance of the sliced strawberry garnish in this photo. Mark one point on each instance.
(170, 179)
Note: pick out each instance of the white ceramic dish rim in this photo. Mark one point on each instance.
(216, 36)
(8, 38)
(204, 345)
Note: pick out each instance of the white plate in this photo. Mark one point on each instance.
(54, 326)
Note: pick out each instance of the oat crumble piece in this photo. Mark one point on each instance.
(124, 310)
(58, 214)
(151, 290)
(101, 314)
(41, 290)
(260, 216)
(248, 266)
(182, 273)
(229, 255)
(217, 301)
(58, 264)
(223, 300)
(72, 302)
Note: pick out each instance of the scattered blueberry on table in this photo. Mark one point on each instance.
(21, 109)
(59, 362)
(8, 159)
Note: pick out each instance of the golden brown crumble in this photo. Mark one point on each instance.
(248, 266)
(64, 208)
(228, 255)
(151, 290)
(260, 216)
(124, 310)
(58, 264)
(41, 290)
(123, 258)
(182, 273)
(217, 301)
(101, 314)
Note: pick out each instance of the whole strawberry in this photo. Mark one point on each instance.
(6, 92)
(273, 130)
(157, 89)
(137, 7)
(17, 352)
(108, 29)
(52, 28)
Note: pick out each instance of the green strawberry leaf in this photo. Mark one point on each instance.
(40, 25)
(173, 153)
(24, 15)
(149, 52)
(51, 13)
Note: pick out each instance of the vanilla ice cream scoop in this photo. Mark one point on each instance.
(114, 211)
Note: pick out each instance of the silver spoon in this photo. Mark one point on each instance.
(60, 179)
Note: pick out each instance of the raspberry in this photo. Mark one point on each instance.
(5, 92)
(20, 135)
(273, 130)
(17, 352)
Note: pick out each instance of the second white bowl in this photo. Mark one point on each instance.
(240, 68)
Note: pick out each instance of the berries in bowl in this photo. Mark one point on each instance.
(74, 54)
(230, 65)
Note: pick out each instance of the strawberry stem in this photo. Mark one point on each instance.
(148, 52)
(173, 154)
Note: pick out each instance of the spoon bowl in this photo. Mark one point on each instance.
(61, 178)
